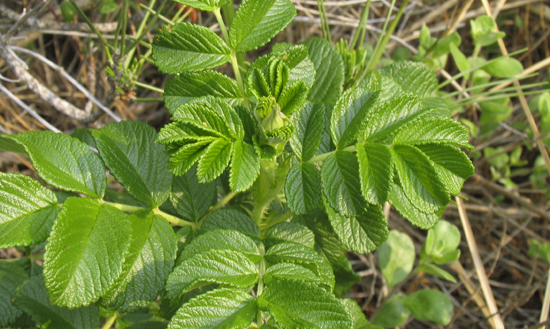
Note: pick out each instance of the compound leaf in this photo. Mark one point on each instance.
(146, 265)
(27, 211)
(187, 87)
(12, 277)
(245, 166)
(375, 171)
(62, 161)
(191, 199)
(419, 179)
(329, 71)
(224, 267)
(309, 124)
(258, 21)
(302, 187)
(350, 114)
(187, 47)
(129, 150)
(85, 251)
(299, 305)
(33, 299)
(341, 186)
(434, 131)
(363, 233)
(220, 308)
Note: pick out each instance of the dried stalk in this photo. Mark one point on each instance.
(495, 319)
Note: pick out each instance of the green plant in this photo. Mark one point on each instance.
(241, 210)
(396, 259)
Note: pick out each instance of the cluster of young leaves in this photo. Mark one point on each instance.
(396, 259)
(312, 154)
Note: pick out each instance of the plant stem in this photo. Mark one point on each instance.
(146, 86)
(92, 27)
(148, 100)
(173, 219)
(322, 157)
(360, 32)
(259, 291)
(385, 38)
(234, 61)
(109, 323)
(124, 207)
(218, 205)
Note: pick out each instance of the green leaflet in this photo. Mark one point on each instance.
(290, 272)
(288, 252)
(12, 277)
(329, 71)
(289, 232)
(436, 271)
(191, 199)
(504, 68)
(188, 87)
(441, 245)
(328, 244)
(61, 161)
(393, 313)
(186, 47)
(297, 60)
(147, 264)
(419, 179)
(231, 219)
(434, 131)
(396, 257)
(357, 315)
(33, 299)
(225, 267)
(293, 97)
(27, 211)
(214, 114)
(245, 166)
(309, 124)
(85, 251)
(341, 186)
(221, 239)
(403, 77)
(128, 149)
(404, 206)
(184, 158)
(350, 114)
(206, 5)
(387, 118)
(430, 305)
(302, 187)
(363, 233)
(214, 160)
(375, 171)
(258, 21)
(220, 308)
(297, 305)
(451, 164)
